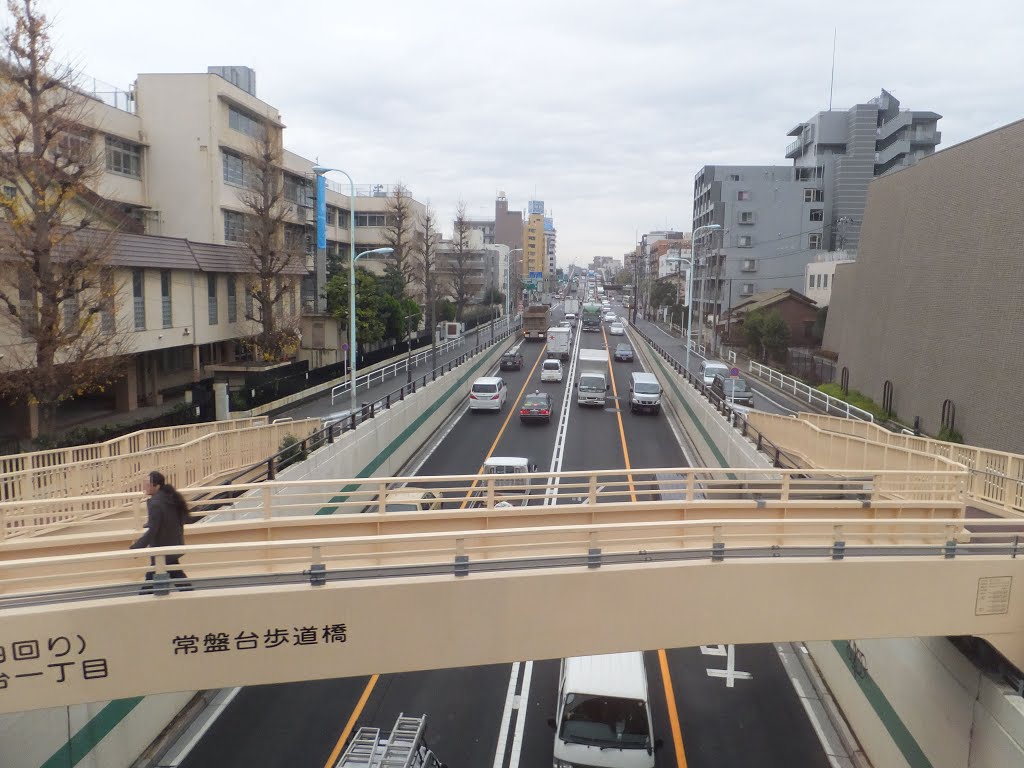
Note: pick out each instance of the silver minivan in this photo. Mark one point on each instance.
(644, 392)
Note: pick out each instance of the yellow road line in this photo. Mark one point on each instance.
(336, 752)
(666, 678)
(673, 715)
(494, 445)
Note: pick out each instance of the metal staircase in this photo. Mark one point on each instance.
(404, 747)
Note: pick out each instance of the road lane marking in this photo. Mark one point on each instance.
(618, 415)
(336, 752)
(673, 715)
(506, 716)
(517, 740)
(666, 679)
(551, 493)
(494, 445)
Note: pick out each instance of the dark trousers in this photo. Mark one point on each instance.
(177, 576)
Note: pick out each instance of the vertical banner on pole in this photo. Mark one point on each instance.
(321, 212)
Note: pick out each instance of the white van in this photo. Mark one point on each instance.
(511, 487)
(559, 342)
(603, 715)
(591, 388)
(709, 368)
(644, 392)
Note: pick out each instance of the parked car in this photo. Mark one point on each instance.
(536, 407)
(551, 370)
(733, 390)
(617, 329)
(624, 352)
(512, 361)
(488, 393)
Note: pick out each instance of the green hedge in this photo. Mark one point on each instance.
(857, 399)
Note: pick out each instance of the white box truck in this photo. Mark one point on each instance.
(603, 713)
(559, 342)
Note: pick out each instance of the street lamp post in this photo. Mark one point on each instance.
(352, 321)
(694, 238)
(689, 301)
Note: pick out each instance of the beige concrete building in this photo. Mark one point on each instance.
(934, 304)
(820, 275)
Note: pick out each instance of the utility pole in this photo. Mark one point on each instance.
(408, 356)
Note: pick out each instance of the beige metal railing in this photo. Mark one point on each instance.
(62, 494)
(136, 442)
(605, 496)
(996, 479)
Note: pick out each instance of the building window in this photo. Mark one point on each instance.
(747, 289)
(10, 191)
(814, 241)
(70, 306)
(332, 215)
(343, 218)
(744, 241)
(211, 298)
(734, 177)
(250, 313)
(107, 293)
(124, 157)
(234, 168)
(291, 299)
(243, 122)
(814, 195)
(232, 299)
(234, 226)
(810, 282)
(165, 297)
(371, 220)
(817, 214)
(743, 194)
(805, 173)
(295, 190)
(825, 277)
(746, 217)
(139, 298)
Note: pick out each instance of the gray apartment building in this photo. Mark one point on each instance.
(932, 311)
(771, 219)
(848, 148)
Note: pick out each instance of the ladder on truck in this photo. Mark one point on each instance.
(404, 747)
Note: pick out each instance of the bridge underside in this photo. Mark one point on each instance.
(209, 638)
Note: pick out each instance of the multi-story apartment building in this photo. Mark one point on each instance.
(771, 221)
(550, 240)
(535, 251)
(481, 261)
(848, 148)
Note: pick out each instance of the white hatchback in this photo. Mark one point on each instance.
(551, 370)
(488, 393)
(616, 329)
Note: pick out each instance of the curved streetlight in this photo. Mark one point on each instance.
(352, 321)
(700, 321)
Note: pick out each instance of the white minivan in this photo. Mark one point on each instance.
(709, 368)
(603, 713)
(488, 393)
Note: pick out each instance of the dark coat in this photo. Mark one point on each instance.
(164, 524)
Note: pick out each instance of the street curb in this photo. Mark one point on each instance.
(835, 715)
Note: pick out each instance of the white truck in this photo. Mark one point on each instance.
(572, 306)
(592, 386)
(559, 342)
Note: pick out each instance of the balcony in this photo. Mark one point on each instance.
(795, 149)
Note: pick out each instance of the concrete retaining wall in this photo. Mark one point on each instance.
(113, 734)
(913, 702)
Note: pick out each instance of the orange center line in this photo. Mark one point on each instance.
(336, 752)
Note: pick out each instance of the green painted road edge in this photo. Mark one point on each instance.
(92, 733)
(895, 726)
(408, 432)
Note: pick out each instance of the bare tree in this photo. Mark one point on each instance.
(399, 233)
(274, 253)
(425, 248)
(461, 262)
(57, 292)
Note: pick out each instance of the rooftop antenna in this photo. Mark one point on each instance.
(832, 82)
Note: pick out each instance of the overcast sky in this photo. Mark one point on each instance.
(604, 110)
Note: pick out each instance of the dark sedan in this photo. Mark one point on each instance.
(624, 352)
(536, 407)
(511, 361)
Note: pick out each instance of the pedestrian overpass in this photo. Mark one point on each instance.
(288, 583)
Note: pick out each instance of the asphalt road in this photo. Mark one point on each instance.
(750, 719)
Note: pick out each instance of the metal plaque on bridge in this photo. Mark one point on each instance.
(993, 595)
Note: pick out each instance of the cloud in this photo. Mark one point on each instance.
(607, 110)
